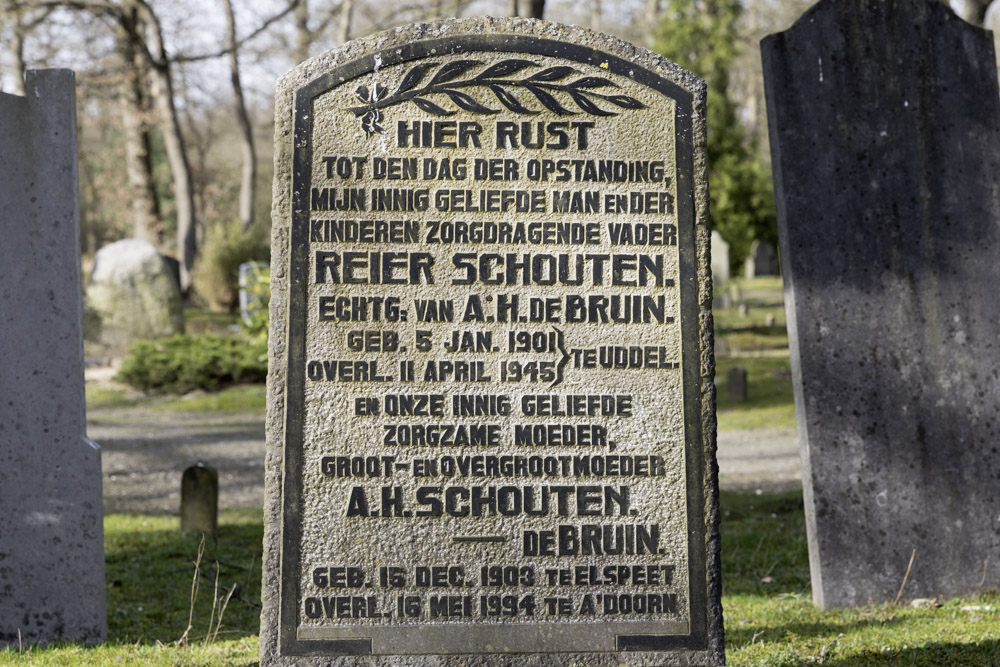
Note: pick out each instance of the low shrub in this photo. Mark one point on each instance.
(226, 246)
(183, 363)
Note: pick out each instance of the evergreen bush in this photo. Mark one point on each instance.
(184, 363)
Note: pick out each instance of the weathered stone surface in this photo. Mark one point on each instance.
(321, 515)
(885, 129)
(720, 260)
(200, 499)
(132, 295)
(762, 261)
(51, 528)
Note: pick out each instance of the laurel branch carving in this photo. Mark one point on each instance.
(549, 87)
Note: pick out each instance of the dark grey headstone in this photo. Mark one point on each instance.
(736, 384)
(200, 499)
(885, 136)
(51, 523)
(427, 134)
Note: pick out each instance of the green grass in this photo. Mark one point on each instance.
(769, 404)
(98, 396)
(769, 617)
(150, 568)
(750, 332)
(237, 398)
(203, 320)
(233, 399)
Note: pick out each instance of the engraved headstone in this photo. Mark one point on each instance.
(762, 261)
(720, 260)
(51, 520)
(885, 131)
(200, 499)
(736, 384)
(490, 433)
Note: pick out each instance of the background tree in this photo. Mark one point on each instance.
(702, 36)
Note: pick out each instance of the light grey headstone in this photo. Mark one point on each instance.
(762, 261)
(720, 260)
(51, 524)
(132, 295)
(736, 384)
(379, 343)
(251, 300)
(885, 131)
(769, 320)
(200, 499)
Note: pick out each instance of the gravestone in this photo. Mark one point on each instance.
(252, 297)
(200, 499)
(490, 430)
(132, 295)
(736, 384)
(885, 131)
(720, 260)
(51, 521)
(762, 261)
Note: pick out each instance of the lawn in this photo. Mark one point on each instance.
(769, 617)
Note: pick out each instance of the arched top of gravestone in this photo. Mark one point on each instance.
(833, 24)
(482, 66)
(452, 37)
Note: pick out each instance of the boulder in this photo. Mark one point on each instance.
(132, 295)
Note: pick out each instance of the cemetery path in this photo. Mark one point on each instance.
(765, 460)
(144, 452)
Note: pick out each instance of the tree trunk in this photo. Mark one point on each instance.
(303, 36)
(17, 54)
(535, 9)
(249, 173)
(344, 25)
(146, 221)
(163, 94)
(595, 14)
(651, 20)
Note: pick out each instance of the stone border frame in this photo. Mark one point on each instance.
(296, 91)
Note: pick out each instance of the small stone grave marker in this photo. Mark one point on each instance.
(488, 434)
(200, 499)
(720, 260)
(736, 384)
(762, 261)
